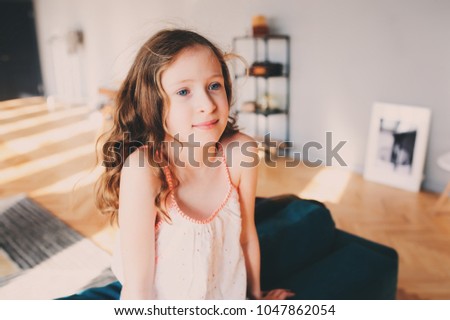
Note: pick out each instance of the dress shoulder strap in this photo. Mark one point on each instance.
(169, 179)
(224, 163)
(168, 176)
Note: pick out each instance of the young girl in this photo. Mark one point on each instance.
(186, 218)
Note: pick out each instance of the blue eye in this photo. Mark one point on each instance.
(215, 86)
(183, 92)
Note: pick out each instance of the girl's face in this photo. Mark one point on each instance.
(198, 104)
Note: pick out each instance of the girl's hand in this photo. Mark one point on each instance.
(277, 294)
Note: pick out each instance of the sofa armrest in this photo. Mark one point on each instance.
(293, 233)
(344, 238)
(352, 272)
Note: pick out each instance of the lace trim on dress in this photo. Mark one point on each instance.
(207, 220)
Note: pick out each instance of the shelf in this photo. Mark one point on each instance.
(263, 67)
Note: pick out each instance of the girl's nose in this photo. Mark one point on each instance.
(206, 103)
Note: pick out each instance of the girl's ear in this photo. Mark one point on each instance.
(165, 128)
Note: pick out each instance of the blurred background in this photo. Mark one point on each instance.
(61, 62)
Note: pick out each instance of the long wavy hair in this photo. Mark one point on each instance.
(139, 118)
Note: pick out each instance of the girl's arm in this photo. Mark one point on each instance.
(249, 237)
(137, 215)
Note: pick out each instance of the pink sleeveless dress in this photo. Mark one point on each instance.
(198, 259)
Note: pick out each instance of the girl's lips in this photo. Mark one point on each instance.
(206, 124)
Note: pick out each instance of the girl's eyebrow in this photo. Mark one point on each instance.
(217, 75)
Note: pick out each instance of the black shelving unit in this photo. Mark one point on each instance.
(265, 89)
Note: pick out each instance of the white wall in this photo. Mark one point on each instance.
(346, 54)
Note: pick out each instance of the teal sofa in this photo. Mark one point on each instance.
(302, 250)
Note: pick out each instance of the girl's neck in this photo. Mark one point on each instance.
(193, 156)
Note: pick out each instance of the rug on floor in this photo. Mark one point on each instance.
(43, 258)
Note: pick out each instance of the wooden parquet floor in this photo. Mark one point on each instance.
(49, 155)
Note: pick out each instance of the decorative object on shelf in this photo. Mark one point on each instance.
(249, 106)
(259, 25)
(266, 69)
(268, 102)
(397, 145)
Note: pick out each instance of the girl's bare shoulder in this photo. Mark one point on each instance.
(137, 169)
(241, 152)
(238, 139)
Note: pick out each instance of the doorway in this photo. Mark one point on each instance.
(20, 70)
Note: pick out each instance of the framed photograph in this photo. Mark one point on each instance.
(397, 145)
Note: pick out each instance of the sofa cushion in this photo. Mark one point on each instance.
(291, 238)
(107, 292)
(352, 272)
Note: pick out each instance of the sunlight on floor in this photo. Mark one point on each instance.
(36, 166)
(34, 142)
(71, 183)
(23, 111)
(327, 186)
(39, 120)
(21, 102)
